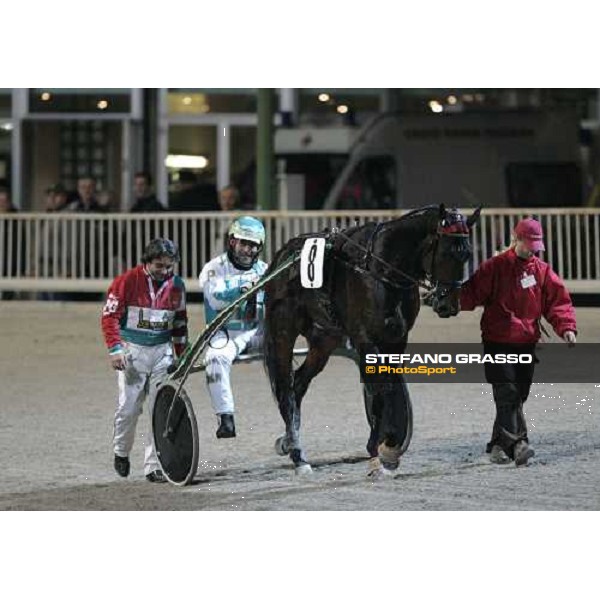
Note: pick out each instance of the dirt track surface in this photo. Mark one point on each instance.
(57, 398)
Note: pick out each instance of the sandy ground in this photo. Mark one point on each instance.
(57, 397)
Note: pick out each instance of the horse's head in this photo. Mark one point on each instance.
(449, 251)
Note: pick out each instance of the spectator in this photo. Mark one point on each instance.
(107, 201)
(193, 195)
(86, 200)
(51, 250)
(229, 198)
(57, 198)
(49, 202)
(83, 236)
(145, 200)
(6, 205)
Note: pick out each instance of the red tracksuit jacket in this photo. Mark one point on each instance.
(142, 311)
(515, 293)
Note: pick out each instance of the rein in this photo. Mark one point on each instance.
(368, 255)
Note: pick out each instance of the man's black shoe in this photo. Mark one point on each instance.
(122, 465)
(226, 426)
(156, 477)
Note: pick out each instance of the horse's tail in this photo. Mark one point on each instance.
(270, 353)
(278, 293)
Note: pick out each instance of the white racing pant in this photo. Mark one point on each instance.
(221, 353)
(146, 370)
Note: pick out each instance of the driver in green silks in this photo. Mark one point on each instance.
(223, 280)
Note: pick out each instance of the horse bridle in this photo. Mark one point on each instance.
(445, 285)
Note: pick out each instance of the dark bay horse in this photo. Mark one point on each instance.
(370, 296)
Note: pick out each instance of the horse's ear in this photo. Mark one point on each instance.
(472, 220)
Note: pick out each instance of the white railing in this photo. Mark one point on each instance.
(77, 252)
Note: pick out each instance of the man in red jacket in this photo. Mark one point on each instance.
(516, 289)
(144, 323)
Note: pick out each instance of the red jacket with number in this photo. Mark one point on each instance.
(143, 311)
(515, 293)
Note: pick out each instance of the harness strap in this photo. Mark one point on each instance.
(371, 244)
(369, 255)
(361, 271)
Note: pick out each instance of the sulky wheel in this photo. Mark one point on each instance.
(175, 435)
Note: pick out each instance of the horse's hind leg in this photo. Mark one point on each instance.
(319, 352)
(320, 349)
(280, 336)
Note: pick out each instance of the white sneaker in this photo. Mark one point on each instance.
(498, 456)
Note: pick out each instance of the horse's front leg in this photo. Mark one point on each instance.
(373, 401)
(396, 423)
(374, 409)
(389, 413)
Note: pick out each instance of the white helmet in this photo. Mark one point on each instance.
(248, 229)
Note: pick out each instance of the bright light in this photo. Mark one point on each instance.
(452, 100)
(342, 109)
(46, 96)
(186, 161)
(7, 126)
(102, 104)
(324, 97)
(435, 106)
(187, 100)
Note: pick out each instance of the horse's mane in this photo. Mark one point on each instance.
(417, 212)
(295, 244)
(430, 210)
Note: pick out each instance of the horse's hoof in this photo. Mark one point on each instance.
(377, 470)
(391, 466)
(390, 456)
(281, 446)
(374, 468)
(304, 470)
